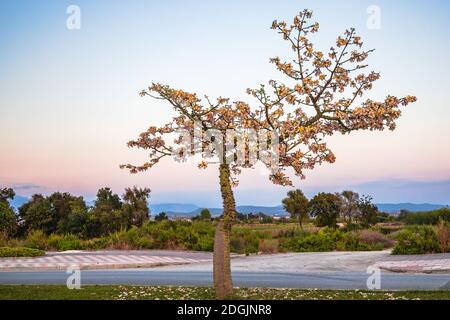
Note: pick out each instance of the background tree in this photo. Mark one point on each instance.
(106, 215)
(135, 206)
(324, 96)
(204, 215)
(325, 207)
(350, 205)
(69, 213)
(368, 212)
(296, 204)
(7, 194)
(37, 214)
(161, 216)
(58, 213)
(8, 218)
(75, 219)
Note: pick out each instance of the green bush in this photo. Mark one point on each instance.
(443, 235)
(237, 245)
(121, 239)
(251, 244)
(3, 239)
(322, 241)
(350, 242)
(37, 239)
(417, 240)
(376, 240)
(315, 242)
(96, 243)
(8, 220)
(246, 240)
(199, 236)
(64, 242)
(204, 244)
(329, 239)
(20, 252)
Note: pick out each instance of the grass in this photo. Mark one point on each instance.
(91, 292)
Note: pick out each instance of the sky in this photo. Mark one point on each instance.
(69, 98)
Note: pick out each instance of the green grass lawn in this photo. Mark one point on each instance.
(91, 292)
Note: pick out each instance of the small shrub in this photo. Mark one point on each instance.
(54, 240)
(351, 227)
(20, 252)
(187, 237)
(119, 240)
(375, 239)
(64, 242)
(251, 244)
(268, 245)
(443, 235)
(322, 241)
(3, 239)
(36, 239)
(96, 243)
(237, 245)
(70, 242)
(417, 240)
(246, 240)
(204, 244)
(388, 228)
(350, 242)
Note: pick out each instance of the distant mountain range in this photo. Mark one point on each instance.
(190, 210)
(413, 207)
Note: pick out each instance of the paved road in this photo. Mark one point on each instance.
(333, 270)
(112, 259)
(332, 280)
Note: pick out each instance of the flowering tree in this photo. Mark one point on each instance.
(323, 94)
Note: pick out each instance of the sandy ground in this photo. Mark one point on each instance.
(315, 262)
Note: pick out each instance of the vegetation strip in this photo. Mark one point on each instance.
(44, 292)
(20, 252)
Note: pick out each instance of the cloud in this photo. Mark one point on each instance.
(26, 186)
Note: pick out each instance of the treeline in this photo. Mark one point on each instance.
(63, 213)
(328, 208)
(425, 217)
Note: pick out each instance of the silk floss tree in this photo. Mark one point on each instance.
(322, 94)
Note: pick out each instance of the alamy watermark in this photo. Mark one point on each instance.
(374, 18)
(73, 21)
(374, 280)
(241, 146)
(74, 278)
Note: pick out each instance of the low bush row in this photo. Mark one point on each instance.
(20, 252)
(425, 217)
(245, 239)
(329, 240)
(423, 239)
(199, 236)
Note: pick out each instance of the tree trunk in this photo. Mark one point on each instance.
(223, 284)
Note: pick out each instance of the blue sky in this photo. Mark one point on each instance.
(69, 103)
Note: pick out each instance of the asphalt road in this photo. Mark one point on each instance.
(332, 280)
